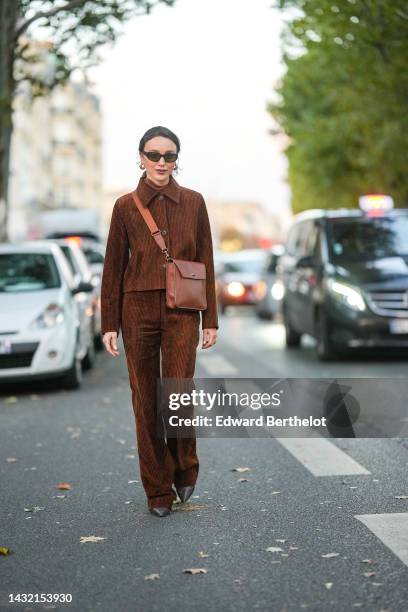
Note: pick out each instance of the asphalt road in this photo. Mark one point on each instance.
(332, 512)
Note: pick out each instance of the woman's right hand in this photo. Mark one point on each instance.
(110, 340)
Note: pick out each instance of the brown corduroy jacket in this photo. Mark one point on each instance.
(134, 262)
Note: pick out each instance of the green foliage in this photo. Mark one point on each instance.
(343, 101)
(75, 29)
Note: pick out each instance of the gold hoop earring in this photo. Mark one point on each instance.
(141, 166)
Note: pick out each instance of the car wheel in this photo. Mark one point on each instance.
(292, 337)
(324, 346)
(73, 379)
(88, 361)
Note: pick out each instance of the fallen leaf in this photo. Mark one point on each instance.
(152, 577)
(11, 459)
(4, 550)
(74, 431)
(241, 469)
(202, 554)
(242, 479)
(194, 570)
(369, 574)
(330, 555)
(11, 399)
(328, 585)
(63, 485)
(35, 509)
(186, 507)
(401, 496)
(281, 541)
(275, 492)
(274, 549)
(91, 539)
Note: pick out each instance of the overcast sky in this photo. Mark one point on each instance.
(205, 69)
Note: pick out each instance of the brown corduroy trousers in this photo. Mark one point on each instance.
(149, 329)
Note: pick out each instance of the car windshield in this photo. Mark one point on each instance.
(250, 265)
(368, 238)
(93, 257)
(68, 254)
(28, 272)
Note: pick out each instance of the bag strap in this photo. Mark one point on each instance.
(151, 223)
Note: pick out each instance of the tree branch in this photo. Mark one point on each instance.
(46, 14)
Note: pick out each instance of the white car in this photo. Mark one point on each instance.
(40, 334)
(89, 304)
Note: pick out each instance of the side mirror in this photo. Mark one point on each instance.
(307, 261)
(83, 287)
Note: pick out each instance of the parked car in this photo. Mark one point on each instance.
(40, 333)
(345, 274)
(269, 289)
(93, 251)
(237, 276)
(89, 303)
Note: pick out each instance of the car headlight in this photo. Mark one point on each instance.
(277, 290)
(350, 296)
(51, 316)
(235, 289)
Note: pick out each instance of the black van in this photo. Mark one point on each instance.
(345, 277)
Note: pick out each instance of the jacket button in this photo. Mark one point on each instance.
(161, 198)
(164, 232)
(163, 265)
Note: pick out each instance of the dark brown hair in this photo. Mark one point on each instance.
(158, 130)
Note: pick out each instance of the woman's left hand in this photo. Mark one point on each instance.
(209, 337)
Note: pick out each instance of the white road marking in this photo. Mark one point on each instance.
(321, 457)
(391, 529)
(217, 365)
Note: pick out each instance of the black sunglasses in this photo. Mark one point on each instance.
(169, 156)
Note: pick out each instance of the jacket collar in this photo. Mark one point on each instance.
(146, 192)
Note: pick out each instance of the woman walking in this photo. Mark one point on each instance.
(133, 299)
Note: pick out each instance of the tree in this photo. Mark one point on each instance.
(343, 101)
(76, 29)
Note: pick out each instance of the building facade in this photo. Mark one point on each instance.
(56, 155)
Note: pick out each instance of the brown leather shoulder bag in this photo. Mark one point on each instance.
(185, 279)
